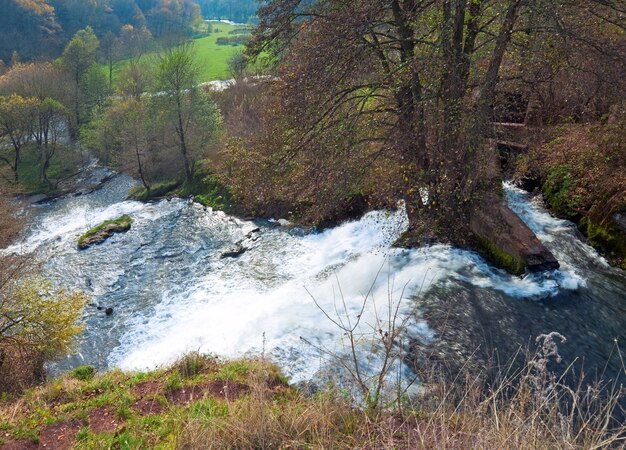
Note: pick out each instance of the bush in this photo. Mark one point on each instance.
(83, 373)
(37, 323)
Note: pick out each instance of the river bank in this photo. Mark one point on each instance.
(201, 402)
(579, 169)
(173, 293)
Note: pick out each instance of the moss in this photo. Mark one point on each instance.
(500, 258)
(558, 192)
(606, 237)
(157, 191)
(208, 190)
(104, 230)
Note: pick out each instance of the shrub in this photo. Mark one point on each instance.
(37, 323)
(83, 373)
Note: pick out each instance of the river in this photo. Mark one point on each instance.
(172, 292)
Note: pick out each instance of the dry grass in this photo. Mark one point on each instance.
(532, 409)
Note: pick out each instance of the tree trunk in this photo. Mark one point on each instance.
(16, 164)
(183, 144)
(140, 169)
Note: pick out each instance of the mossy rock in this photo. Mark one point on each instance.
(500, 258)
(105, 230)
(607, 237)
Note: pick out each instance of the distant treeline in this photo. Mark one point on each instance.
(233, 40)
(241, 11)
(39, 29)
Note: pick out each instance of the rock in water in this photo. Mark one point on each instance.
(104, 231)
(234, 252)
(507, 241)
(108, 311)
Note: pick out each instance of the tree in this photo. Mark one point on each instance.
(125, 130)
(28, 27)
(402, 66)
(36, 316)
(134, 80)
(38, 80)
(173, 20)
(37, 321)
(134, 42)
(96, 92)
(16, 124)
(408, 82)
(45, 84)
(78, 58)
(237, 65)
(49, 122)
(184, 109)
(109, 48)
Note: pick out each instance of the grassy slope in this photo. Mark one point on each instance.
(212, 58)
(202, 403)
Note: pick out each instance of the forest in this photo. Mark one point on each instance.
(40, 29)
(312, 224)
(240, 11)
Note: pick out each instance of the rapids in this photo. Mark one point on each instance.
(172, 293)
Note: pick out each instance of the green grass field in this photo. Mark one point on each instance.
(211, 58)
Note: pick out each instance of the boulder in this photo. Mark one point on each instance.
(104, 231)
(529, 181)
(297, 231)
(235, 252)
(507, 241)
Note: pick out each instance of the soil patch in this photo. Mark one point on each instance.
(150, 387)
(148, 406)
(229, 390)
(59, 436)
(102, 420)
(22, 444)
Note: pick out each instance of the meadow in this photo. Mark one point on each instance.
(212, 59)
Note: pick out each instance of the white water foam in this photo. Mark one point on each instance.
(230, 313)
(262, 301)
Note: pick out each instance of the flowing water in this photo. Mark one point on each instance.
(172, 292)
